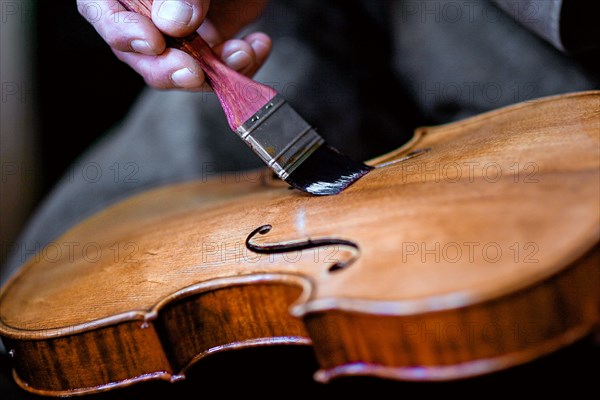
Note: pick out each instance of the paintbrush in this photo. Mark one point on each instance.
(267, 123)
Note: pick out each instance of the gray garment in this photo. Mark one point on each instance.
(446, 68)
(478, 58)
(541, 16)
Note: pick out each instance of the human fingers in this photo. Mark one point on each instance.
(173, 69)
(245, 55)
(122, 30)
(179, 18)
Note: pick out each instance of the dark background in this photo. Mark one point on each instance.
(73, 66)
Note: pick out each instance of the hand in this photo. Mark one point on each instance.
(138, 41)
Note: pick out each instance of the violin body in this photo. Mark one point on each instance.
(471, 249)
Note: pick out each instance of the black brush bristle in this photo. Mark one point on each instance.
(327, 172)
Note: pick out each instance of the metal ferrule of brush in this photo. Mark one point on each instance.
(281, 137)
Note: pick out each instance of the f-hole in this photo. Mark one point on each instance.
(301, 245)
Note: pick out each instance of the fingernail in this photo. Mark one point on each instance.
(238, 60)
(259, 46)
(176, 11)
(141, 46)
(184, 78)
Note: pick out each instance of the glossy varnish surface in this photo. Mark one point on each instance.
(472, 250)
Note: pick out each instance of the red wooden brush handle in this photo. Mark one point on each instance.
(240, 96)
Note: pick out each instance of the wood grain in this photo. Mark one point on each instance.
(240, 96)
(93, 361)
(492, 223)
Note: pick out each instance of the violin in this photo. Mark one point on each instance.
(471, 249)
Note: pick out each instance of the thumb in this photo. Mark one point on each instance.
(179, 18)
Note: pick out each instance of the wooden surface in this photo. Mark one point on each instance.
(502, 255)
